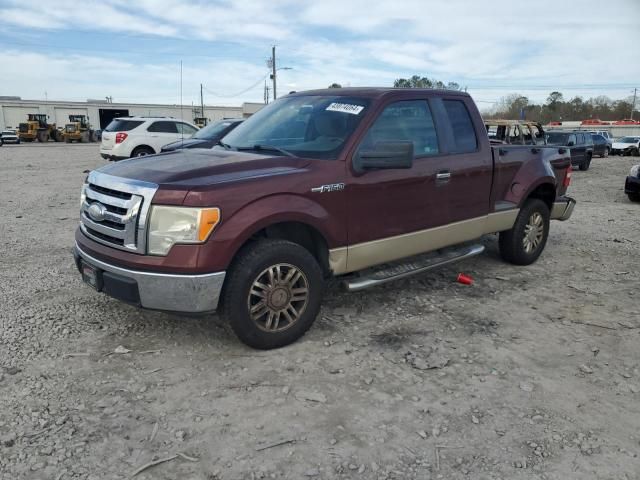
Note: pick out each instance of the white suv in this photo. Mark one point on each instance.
(127, 137)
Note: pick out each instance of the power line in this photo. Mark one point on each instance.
(254, 85)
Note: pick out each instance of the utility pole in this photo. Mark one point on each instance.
(273, 70)
(201, 103)
(633, 105)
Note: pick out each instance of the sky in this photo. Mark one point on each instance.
(131, 50)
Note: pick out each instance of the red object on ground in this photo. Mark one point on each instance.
(464, 279)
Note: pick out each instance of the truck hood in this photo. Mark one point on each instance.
(201, 167)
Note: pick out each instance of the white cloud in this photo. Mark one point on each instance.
(494, 49)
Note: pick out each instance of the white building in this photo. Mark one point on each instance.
(14, 110)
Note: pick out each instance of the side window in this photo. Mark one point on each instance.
(405, 121)
(580, 137)
(163, 127)
(464, 134)
(186, 129)
(572, 140)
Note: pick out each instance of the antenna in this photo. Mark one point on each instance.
(181, 129)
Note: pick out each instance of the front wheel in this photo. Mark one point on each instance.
(634, 197)
(272, 293)
(606, 152)
(523, 244)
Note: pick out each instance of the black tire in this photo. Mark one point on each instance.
(142, 151)
(512, 242)
(584, 166)
(634, 197)
(606, 152)
(250, 266)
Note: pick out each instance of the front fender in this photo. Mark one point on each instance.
(233, 232)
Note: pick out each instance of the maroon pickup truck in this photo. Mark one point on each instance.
(369, 184)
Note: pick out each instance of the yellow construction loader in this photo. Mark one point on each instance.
(37, 128)
(78, 130)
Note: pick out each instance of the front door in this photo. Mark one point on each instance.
(395, 213)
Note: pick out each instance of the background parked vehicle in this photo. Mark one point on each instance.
(626, 146)
(515, 132)
(127, 137)
(207, 137)
(78, 130)
(9, 136)
(604, 133)
(578, 142)
(601, 145)
(632, 184)
(37, 128)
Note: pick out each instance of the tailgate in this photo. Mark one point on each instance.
(108, 140)
(559, 159)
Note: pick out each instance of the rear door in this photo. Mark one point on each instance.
(162, 132)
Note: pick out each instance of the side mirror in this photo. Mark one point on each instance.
(386, 155)
(570, 144)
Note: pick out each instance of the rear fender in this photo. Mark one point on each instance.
(533, 173)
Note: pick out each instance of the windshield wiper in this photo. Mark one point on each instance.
(273, 148)
(226, 146)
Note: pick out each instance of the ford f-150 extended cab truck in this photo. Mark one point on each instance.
(369, 184)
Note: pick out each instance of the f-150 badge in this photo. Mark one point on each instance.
(334, 187)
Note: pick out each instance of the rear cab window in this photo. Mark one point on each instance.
(464, 133)
(122, 125)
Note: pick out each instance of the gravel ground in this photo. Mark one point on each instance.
(531, 373)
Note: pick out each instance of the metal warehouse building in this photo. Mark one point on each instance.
(14, 110)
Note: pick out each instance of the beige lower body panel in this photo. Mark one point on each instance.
(363, 255)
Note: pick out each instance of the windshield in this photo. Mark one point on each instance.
(556, 138)
(307, 126)
(211, 131)
(627, 140)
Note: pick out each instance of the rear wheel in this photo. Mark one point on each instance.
(523, 244)
(43, 136)
(272, 293)
(142, 151)
(586, 163)
(606, 152)
(634, 197)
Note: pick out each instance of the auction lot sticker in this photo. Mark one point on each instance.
(345, 108)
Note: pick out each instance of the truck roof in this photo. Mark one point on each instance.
(376, 92)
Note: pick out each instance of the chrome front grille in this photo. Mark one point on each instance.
(115, 211)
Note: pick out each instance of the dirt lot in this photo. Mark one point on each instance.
(531, 373)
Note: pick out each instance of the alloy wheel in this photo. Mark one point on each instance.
(533, 232)
(278, 297)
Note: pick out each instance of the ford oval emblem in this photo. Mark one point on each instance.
(97, 212)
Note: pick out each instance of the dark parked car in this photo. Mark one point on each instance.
(632, 184)
(601, 145)
(207, 137)
(579, 143)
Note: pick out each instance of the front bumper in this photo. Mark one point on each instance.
(563, 208)
(632, 185)
(156, 291)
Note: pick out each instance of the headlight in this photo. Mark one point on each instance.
(635, 171)
(171, 225)
(83, 195)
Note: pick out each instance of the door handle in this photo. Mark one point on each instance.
(443, 175)
(535, 150)
(503, 151)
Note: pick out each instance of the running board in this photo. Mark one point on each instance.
(416, 265)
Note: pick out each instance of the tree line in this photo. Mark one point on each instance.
(516, 106)
(556, 108)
